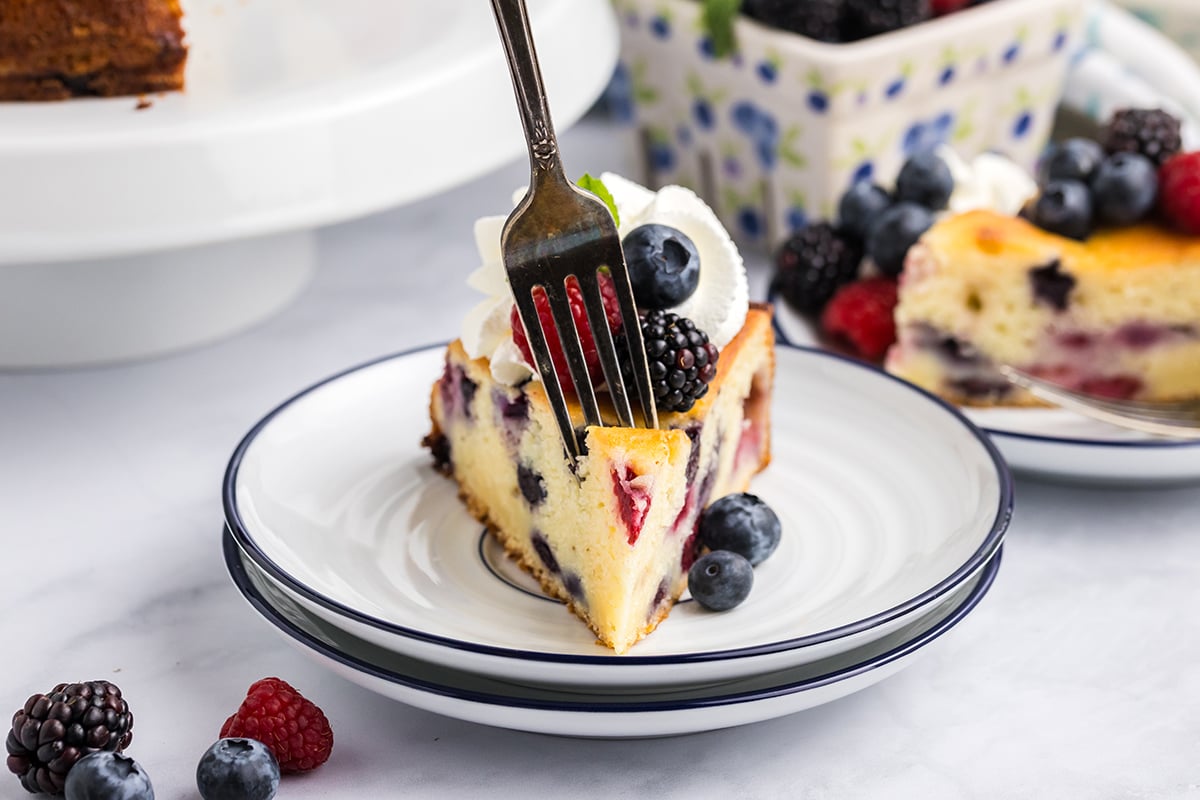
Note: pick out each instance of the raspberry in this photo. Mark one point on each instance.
(1116, 387)
(608, 294)
(1150, 131)
(942, 7)
(1179, 192)
(53, 731)
(861, 314)
(294, 729)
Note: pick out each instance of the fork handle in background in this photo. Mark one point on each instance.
(513, 22)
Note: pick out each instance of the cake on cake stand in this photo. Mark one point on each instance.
(134, 227)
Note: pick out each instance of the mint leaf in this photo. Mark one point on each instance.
(717, 17)
(597, 187)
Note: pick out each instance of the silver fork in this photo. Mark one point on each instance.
(559, 233)
(1180, 420)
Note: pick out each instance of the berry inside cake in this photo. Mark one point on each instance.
(613, 533)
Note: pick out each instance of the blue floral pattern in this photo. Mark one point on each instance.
(785, 129)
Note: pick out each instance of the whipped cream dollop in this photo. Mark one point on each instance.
(718, 306)
(989, 181)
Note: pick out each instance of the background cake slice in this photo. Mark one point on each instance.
(56, 49)
(612, 535)
(1116, 315)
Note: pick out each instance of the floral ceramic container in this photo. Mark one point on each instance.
(772, 135)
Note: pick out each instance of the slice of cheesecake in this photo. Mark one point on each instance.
(1117, 315)
(613, 534)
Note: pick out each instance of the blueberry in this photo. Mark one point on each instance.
(1051, 285)
(1124, 188)
(663, 263)
(860, 206)
(742, 524)
(237, 769)
(108, 776)
(925, 180)
(720, 580)
(896, 230)
(1064, 207)
(1070, 160)
(533, 487)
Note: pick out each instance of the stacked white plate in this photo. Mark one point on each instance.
(343, 537)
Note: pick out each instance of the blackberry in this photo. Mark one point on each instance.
(813, 264)
(872, 17)
(817, 19)
(54, 730)
(682, 360)
(1150, 131)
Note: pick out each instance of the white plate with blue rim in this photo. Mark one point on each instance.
(889, 500)
(583, 710)
(1056, 444)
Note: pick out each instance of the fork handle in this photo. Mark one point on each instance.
(513, 22)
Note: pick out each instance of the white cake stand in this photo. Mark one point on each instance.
(126, 233)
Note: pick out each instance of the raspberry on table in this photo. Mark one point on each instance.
(608, 294)
(1179, 192)
(295, 730)
(861, 314)
(53, 731)
(813, 263)
(1150, 131)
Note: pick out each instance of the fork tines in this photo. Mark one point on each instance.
(610, 265)
(1179, 419)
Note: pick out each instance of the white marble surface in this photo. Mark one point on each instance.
(1077, 678)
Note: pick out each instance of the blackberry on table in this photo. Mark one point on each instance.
(1150, 131)
(53, 731)
(682, 360)
(813, 263)
(872, 17)
(817, 19)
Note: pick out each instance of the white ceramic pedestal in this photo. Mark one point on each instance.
(297, 114)
(95, 311)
